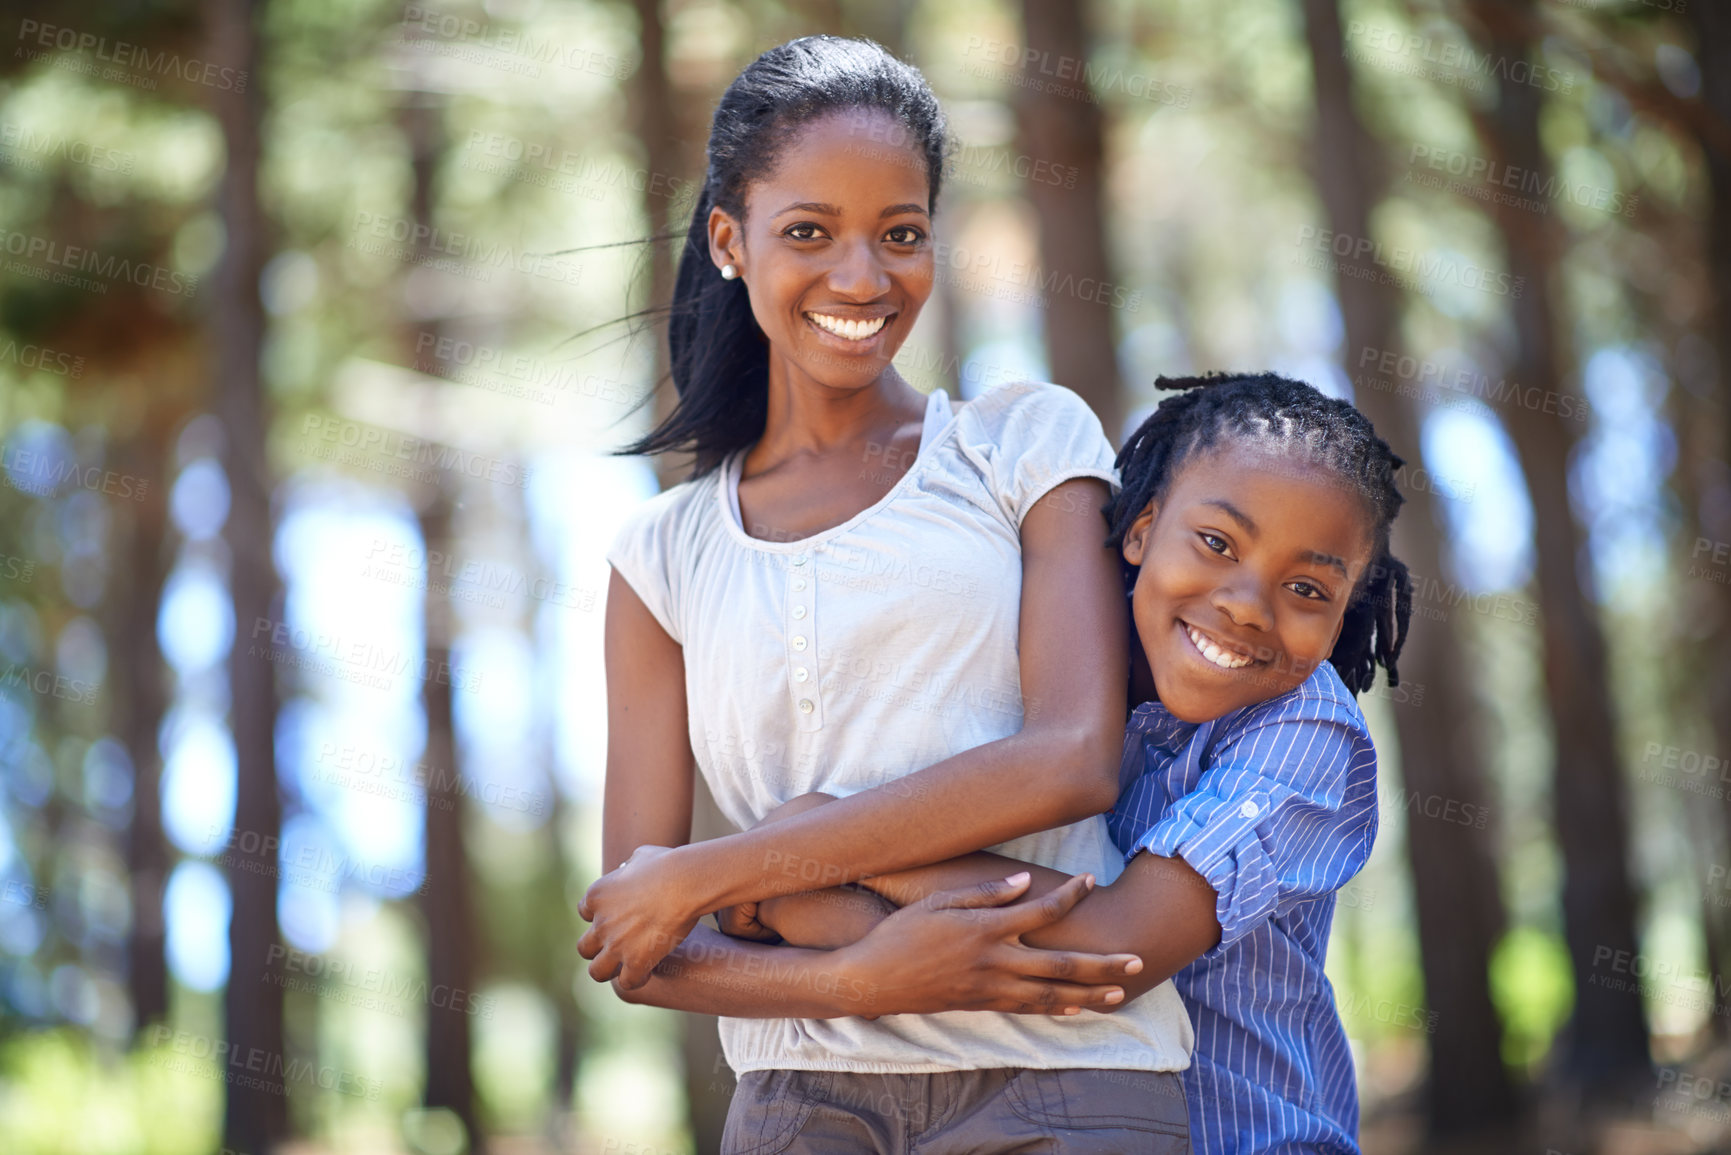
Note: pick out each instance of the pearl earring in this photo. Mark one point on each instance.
(728, 272)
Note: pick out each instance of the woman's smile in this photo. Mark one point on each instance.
(854, 333)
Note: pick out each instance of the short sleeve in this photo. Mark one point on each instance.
(644, 553)
(1031, 438)
(1285, 810)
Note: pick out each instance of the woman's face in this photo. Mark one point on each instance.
(835, 248)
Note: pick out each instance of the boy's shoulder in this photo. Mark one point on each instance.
(1320, 698)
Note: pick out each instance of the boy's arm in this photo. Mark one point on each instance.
(1159, 909)
(1060, 767)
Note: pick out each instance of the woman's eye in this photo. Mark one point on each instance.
(804, 231)
(1215, 542)
(904, 235)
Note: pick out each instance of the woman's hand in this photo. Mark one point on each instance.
(636, 914)
(961, 950)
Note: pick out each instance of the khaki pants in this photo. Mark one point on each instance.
(1021, 1110)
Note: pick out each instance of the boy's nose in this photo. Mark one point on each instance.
(1245, 606)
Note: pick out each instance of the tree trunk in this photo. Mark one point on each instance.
(1711, 523)
(447, 904)
(1607, 1036)
(1065, 133)
(1460, 909)
(141, 694)
(255, 1118)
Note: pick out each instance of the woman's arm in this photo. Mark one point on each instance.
(1059, 768)
(648, 801)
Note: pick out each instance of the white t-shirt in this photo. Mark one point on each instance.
(854, 657)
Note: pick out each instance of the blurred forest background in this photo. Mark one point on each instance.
(306, 487)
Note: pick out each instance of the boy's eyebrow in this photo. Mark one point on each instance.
(1317, 557)
(810, 207)
(1233, 512)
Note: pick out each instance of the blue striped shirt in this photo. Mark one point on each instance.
(1275, 805)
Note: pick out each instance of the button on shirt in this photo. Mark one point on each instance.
(1275, 805)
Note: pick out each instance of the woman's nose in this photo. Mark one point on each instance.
(859, 274)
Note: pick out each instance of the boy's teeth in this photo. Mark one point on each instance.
(1220, 657)
(842, 327)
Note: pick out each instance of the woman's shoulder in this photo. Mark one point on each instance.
(673, 511)
(1022, 413)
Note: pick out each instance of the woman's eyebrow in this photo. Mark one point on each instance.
(810, 207)
(898, 210)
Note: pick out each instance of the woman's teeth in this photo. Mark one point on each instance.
(842, 327)
(1225, 659)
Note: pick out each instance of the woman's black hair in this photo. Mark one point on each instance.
(720, 357)
(1270, 409)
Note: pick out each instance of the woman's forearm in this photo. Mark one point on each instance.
(1005, 789)
(710, 973)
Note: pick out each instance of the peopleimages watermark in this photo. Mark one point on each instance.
(1401, 267)
(389, 776)
(1478, 172)
(26, 148)
(44, 474)
(514, 374)
(312, 866)
(388, 451)
(415, 242)
(190, 1053)
(1716, 553)
(1026, 281)
(473, 580)
(563, 170)
(1056, 74)
(58, 263)
(41, 358)
(371, 988)
(1464, 382)
(360, 661)
(120, 55)
(509, 48)
(1456, 62)
(48, 684)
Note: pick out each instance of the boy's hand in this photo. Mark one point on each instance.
(961, 950)
(742, 921)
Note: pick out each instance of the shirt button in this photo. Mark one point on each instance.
(798, 584)
(799, 643)
(1250, 809)
(798, 612)
(805, 706)
(800, 559)
(800, 675)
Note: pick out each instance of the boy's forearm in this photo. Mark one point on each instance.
(710, 973)
(904, 887)
(824, 919)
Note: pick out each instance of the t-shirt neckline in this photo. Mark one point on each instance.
(931, 433)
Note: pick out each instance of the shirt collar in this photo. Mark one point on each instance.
(1155, 724)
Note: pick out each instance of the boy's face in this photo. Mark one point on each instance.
(1247, 568)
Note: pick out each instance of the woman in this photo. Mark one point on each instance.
(889, 599)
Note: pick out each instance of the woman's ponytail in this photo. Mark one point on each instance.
(719, 357)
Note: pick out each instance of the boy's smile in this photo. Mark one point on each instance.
(1247, 568)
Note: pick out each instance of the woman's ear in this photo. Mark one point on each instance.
(725, 237)
(1136, 537)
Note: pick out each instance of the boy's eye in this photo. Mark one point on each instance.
(803, 231)
(1216, 543)
(1308, 590)
(904, 235)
